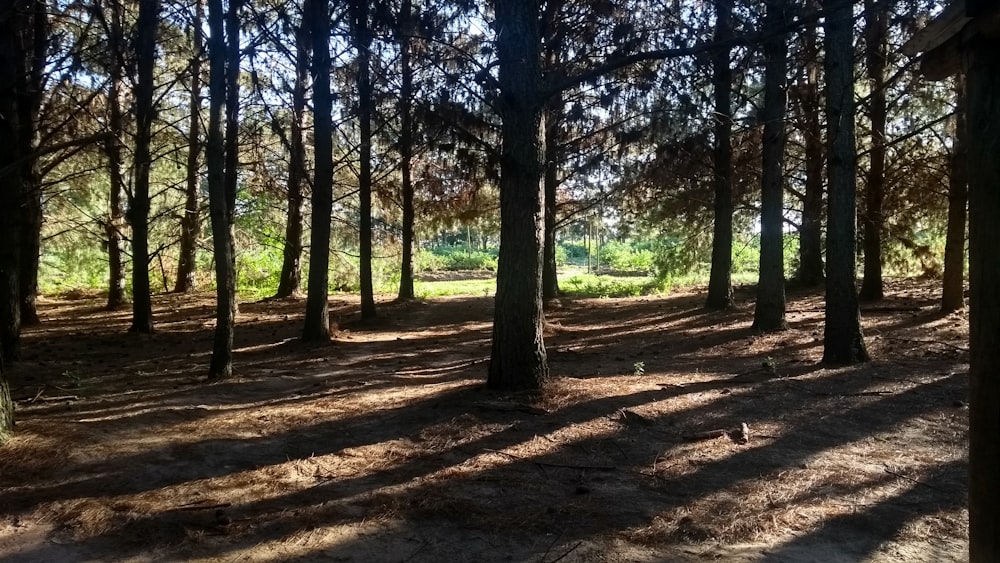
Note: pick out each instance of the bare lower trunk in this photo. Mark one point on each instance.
(843, 342)
(720, 286)
(810, 272)
(953, 290)
(550, 279)
(769, 311)
(191, 221)
(517, 358)
(875, 31)
(365, 102)
(317, 320)
(406, 147)
(983, 90)
(142, 306)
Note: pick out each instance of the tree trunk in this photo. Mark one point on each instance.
(363, 40)
(876, 31)
(218, 198)
(843, 342)
(317, 320)
(407, 30)
(35, 44)
(983, 91)
(142, 306)
(953, 291)
(191, 221)
(10, 187)
(810, 272)
(720, 286)
(550, 279)
(6, 405)
(517, 358)
(769, 311)
(291, 264)
(115, 224)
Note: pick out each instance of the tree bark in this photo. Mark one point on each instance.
(6, 405)
(953, 290)
(553, 116)
(769, 311)
(843, 342)
(720, 285)
(218, 198)
(407, 30)
(291, 265)
(517, 358)
(29, 104)
(317, 319)
(983, 91)
(11, 188)
(363, 41)
(810, 272)
(191, 221)
(876, 31)
(142, 306)
(115, 223)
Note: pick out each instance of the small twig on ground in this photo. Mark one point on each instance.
(914, 481)
(570, 550)
(40, 399)
(706, 435)
(197, 505)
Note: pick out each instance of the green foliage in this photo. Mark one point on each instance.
(638, 368)
(628, 257)
(574, 252)
(454, 258)
(590, 285)
(475, 287)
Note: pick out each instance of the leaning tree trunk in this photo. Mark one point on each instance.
(769, 311)
(142, 306)
(191, 221)
(983, 91)
(291, 265)
(953, 290)
(317, 320)
(843, 342)
(363, 40)
(876, 30)
(720, 285)
(517, 358)
(810, 272)
(406, 32)
(218, 200)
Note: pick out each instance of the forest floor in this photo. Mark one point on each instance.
(385, 445)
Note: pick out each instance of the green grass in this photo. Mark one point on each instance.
(476, 287)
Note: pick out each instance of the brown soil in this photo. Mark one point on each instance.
(385, 446)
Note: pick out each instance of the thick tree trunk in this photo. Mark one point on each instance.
(191, 221)
(769, 311)
(517, 358)
(550, 279)
(363, 40)
(29, 104)
(876, 30)
(843, 342)
(291, 264)
(983, 91)
(142, 306)
(317, 321)
(10, 192)
(218, 198)
(407, 30)
(720, 286)
(810, 272)
(953, 290)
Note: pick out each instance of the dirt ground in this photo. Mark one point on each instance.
(385, 446)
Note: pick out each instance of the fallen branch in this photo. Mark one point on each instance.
(40, 399)
(706, 435)
(916, 341)
(570, 550)
(556, 465)
(740, 434)
(914, 481)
